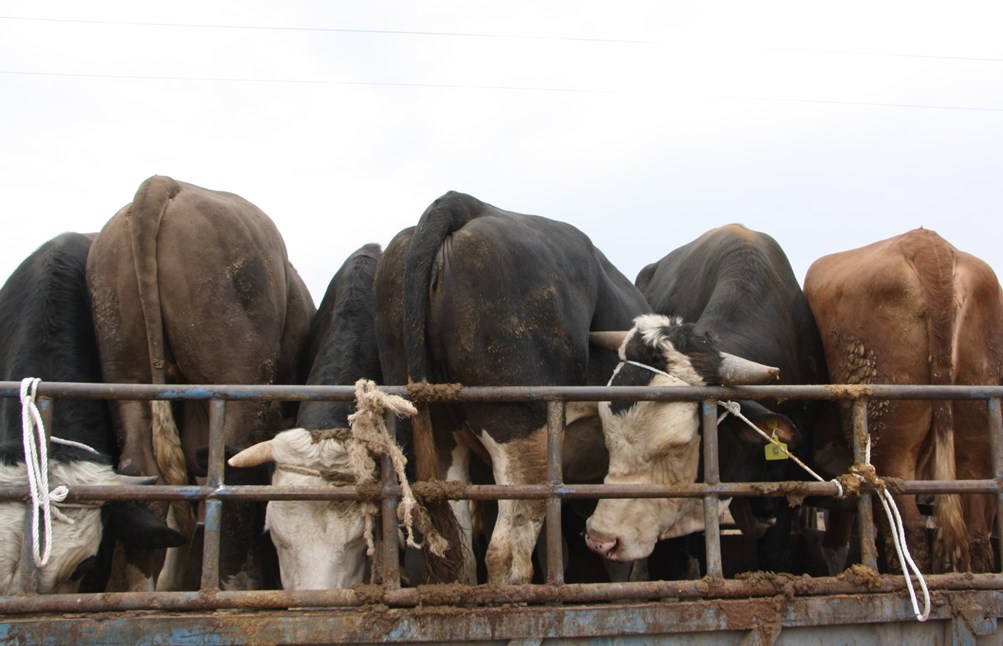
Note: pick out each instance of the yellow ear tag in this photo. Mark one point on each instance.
(775, 450)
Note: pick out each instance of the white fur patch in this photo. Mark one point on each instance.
(321, 544)
(71, 543)
(650, 443)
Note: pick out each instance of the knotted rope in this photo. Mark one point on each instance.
(371, 437)
(36, 465)
(867, 474)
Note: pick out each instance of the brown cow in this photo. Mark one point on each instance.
(191, 285)
(914, 310)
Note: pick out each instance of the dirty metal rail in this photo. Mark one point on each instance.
(216, 493)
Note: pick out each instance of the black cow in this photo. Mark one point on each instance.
(46, 332)
(482, 296)
(737, 285)
(321, 545)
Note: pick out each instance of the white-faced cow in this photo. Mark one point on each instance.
(191, 285)
(915, 310)
(321, 544)
(46, 333)
(737, 287)
(485, 297)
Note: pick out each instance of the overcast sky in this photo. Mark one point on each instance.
(827, 125)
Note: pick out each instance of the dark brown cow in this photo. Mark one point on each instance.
(914, 310)
(191, 285)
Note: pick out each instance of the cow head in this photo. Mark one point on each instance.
(658, 442)
(321, 544)
(76, 530)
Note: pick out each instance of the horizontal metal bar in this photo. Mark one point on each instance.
(508, 394)
(765, 585)
(460, 491)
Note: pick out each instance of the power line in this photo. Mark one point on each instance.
(401, 32)
(872, 104)
(391, 32)
(216, 79)
(513, 88)
(888, 54)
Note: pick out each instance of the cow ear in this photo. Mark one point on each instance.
(136, 526)
(774, 425)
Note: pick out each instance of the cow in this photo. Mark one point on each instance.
(191, 285)
(482, 296)
(321, 544)
(737, 286)
(46, 333)
(913, 309)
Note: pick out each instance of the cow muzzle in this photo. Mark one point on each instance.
(604, 546)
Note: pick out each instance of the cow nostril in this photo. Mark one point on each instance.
(602, 545)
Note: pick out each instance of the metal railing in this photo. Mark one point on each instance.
(216, 493)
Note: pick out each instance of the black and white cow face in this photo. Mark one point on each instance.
(653, 442)
(76, 529)
(320, 544)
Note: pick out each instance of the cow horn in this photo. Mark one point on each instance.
(608, 340)
(253, 456)
(738, 371)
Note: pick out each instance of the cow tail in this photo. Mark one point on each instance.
(446, 215)
(936, 273)
(145, 215)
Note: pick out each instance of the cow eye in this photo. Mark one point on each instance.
(84, 567)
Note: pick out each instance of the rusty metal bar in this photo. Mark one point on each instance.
(493, 492)
(996, 447)
(554, 593)
(389, 499)
(447, 595)
(555, 442)
(512, 393)
(865, 505)
(711, 503)
(213, 507)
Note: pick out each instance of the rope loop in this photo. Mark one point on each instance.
(36, 465)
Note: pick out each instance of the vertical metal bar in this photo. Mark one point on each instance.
(213, 508)
(391, 573)
(711, 503)
(995, 432)
(29, 573)
(555, 445)
(865, 506)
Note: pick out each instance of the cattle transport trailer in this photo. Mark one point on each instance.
(856, 607)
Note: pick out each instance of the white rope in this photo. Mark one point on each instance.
(887, 501)
(36, 461)
(623, 362)
(734, 408)
(901, 547)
